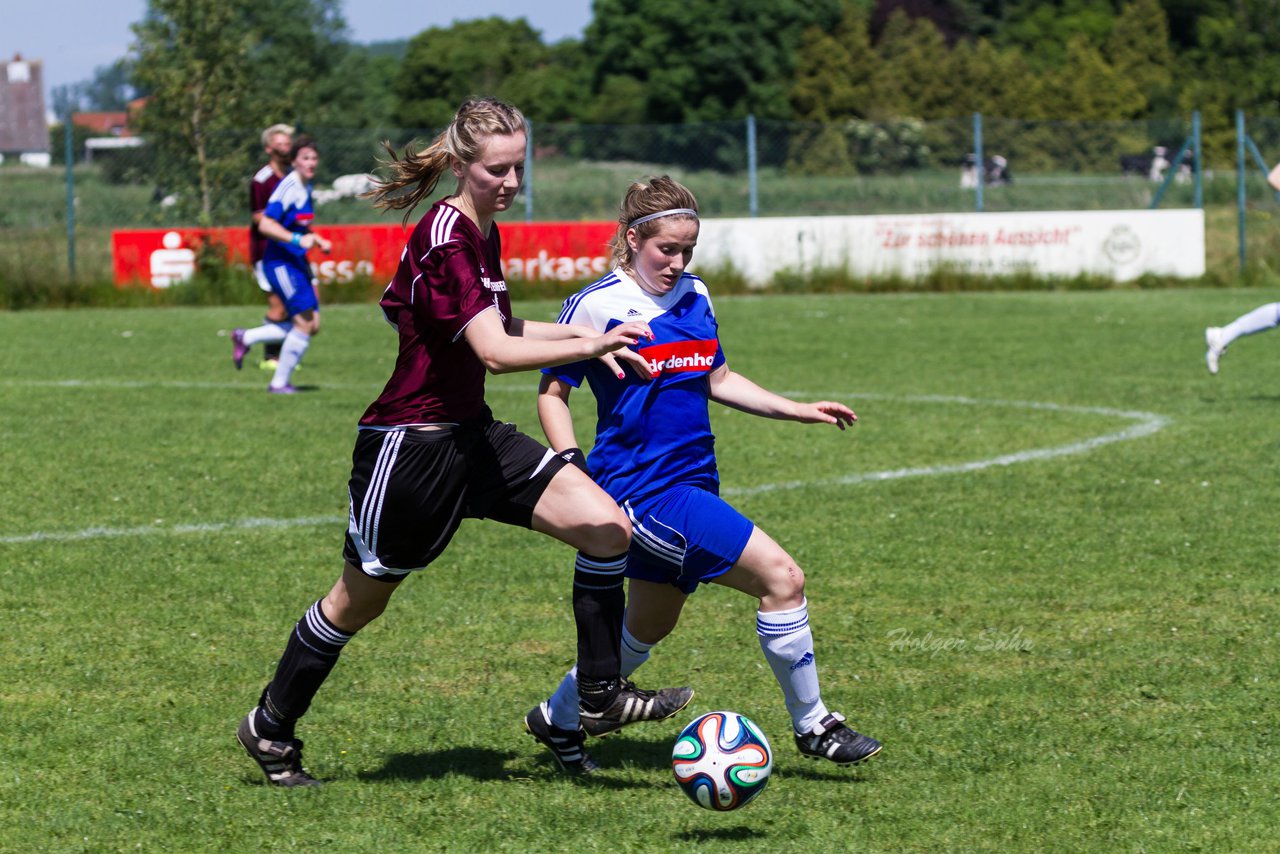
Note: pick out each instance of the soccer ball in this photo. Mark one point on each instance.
(722, 761)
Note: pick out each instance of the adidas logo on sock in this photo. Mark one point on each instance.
(805, 661)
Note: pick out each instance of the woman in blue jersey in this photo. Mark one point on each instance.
(654, 455)
(286, 224)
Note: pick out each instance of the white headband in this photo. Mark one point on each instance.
(687, 211)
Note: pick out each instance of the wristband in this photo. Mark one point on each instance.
(296, 240)
(576, 458)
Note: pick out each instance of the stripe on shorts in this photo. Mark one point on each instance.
(371, 512)
(650, 542)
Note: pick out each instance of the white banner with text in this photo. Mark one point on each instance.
(1122, 245)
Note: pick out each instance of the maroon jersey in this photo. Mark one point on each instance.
(449, 273)
(264, 183)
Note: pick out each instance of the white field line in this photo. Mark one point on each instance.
(1144, 424)
(154, 530)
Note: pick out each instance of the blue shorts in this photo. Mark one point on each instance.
(685, 536)
(292, 284)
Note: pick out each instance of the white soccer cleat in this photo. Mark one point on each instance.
(1214, 348)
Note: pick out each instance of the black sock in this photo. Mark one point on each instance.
(271, 350)
(598, 605)
(310, 655)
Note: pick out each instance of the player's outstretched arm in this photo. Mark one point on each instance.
(562, 331)
(738, 392)
(502, 353)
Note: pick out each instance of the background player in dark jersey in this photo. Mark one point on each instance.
(286, 224)
(654, 454)
(277, 142)
(429, 452)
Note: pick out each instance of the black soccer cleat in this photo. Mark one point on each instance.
(632, 705)
(281, 761)
(565, 744)
(834, 741)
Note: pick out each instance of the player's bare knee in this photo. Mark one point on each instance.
(608, 536)
(785, 584)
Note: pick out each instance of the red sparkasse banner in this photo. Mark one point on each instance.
(535, 252)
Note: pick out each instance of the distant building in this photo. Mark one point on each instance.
(103, 124)
(24, 133)
(112, 130)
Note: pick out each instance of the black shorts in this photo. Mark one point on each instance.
(410, 489)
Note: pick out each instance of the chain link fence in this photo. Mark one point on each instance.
(736, 169)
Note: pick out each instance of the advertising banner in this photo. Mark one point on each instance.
(1121, 245)
(536, 252)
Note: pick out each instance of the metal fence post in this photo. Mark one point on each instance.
(71, 200)
(528, 171)
(752, 181)
(980, 165)
(1195, 154)
(1240, 176)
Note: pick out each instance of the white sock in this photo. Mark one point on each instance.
(295, 345)
(269, 333)
(634, 652)
(787, 643)
(1259, 320)
(564, 702)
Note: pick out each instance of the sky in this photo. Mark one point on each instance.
(73, 37)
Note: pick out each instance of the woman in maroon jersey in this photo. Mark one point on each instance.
(429, 452)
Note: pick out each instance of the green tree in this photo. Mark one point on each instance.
(217, 71)
(620, 101)
(1138, 48)
(193, 59)
(911, 77)
(1233, 66)
(1184, 18)
(553, 90)
(992, 81)
(1087, 88)
(296, 55)
(703, 60)
(833, 70)
(830, 84)
(1042, 29)
(999, 84)
(445, 65)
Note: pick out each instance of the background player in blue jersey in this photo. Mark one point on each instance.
(286, 223)
(277, 142)
(654, 455)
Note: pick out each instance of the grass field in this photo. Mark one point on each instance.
(1041, 571)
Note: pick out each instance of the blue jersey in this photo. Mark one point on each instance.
(654, 435)
(289, 205)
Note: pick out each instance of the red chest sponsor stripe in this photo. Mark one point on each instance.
(680, 356)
